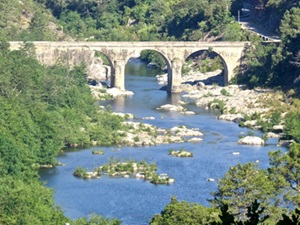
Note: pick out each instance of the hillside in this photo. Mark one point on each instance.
(27, 20)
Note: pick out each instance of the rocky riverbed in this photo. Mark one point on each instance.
(236, 103)
(143, 134)
(249, 107)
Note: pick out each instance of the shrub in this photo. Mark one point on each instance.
(80, 172)
(225, 92)
(217, 104)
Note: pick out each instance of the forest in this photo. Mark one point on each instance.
(45, 109)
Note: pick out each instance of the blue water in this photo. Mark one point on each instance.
(135, 201)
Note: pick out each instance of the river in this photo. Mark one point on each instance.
(135, 201)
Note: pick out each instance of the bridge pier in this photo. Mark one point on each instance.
(118, 78)
(174, 76)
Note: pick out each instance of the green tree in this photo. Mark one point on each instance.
(178, 213)
(232, 32)
(96, 220)
(254, 215)
(284, 171)
(292, 125)
(150, 56)
(294, 220)
(27, 203)
(240, 186)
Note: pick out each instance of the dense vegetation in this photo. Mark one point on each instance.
(275, 65)
(44, 109)
(129, 20)
(126, 20)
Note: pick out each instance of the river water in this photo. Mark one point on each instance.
(135, 201)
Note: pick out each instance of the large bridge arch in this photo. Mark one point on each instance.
(166, 60)
(223, 61)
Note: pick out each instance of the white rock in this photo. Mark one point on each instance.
(195, 140)
(273, 135)
(188, 113)
(171, 180)
(139, 175)
(117, 92)
(231, 117)
(183, 131)
(169, 107)
(251, 140)
(278, 127)
(162, 79)
(148, 118)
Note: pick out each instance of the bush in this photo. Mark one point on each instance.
(217, 104)
(80, 172)
(292, 126)
(225, 92)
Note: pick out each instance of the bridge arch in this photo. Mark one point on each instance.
(106, 67)
(225, 67)
(165, 59)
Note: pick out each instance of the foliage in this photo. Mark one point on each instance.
(295, 220)
(224, 92)
(242, 185)
(178, 213)
(203, 61)
(275, 65)
(80, 172)
(27, 203)
(145, 20)
(42, 110)
(284, 172)
(292, 125)
(96, 220)
(254, 216)
(217, 104)
(257, 69)
(153, 57)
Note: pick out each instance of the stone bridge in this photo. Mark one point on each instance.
(118, 54)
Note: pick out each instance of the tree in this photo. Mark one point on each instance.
(178, 213)
(284, 171)
(27, 203)
(38, 29)
(96, 220)
(292, 125)
(240, 186)
(294, 220)
(254, 216)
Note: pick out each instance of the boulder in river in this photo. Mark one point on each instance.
(169, 107)
(251, 140)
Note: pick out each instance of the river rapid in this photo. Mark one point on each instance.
(135, 201)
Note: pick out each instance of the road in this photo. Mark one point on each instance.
(246, 23)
